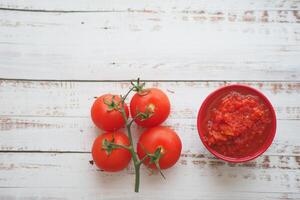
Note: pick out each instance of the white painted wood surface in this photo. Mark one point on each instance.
(56, 56)
(175, 40)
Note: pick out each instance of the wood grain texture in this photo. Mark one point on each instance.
(246, 40)
(52, 111)
(67, 134)
(95, 193)
(188, 48)
(144, 5)
(74, 99)
(58, 118)
(73, 171)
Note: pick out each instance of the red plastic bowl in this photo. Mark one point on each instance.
(244, 89)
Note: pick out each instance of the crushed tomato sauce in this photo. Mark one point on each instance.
(236, 124)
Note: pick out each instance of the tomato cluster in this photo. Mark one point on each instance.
(158, 147)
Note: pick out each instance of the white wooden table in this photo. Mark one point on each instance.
(55, 56)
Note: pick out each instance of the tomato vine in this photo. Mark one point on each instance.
(110, 145)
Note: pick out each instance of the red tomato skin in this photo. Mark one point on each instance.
(164, 137)
(161, 111)
(104, 119)
(118, 159)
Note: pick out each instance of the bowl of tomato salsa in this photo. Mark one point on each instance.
(236, 123)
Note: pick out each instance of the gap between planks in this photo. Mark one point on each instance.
(129, 10)
(72, 11)
(147, 80)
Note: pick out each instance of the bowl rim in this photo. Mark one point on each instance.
(269, 140)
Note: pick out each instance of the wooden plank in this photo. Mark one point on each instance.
(50, 112)
(73, 171)
(71, 193)
(209, 45)
(67, 99)
(154, 6)
(67, 134)
(77, 193)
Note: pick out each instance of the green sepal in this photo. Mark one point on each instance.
(139, 87)
(112, 105)
(108, 145)
(149, 112)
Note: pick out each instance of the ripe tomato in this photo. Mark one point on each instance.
(115, 160)
(160, 137)
(105, 113)
(154, 101)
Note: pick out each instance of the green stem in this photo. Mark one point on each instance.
(143, 159)
(135, 158)
(126, 95)
(137, 178)
(134, 118)
(136, 161)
